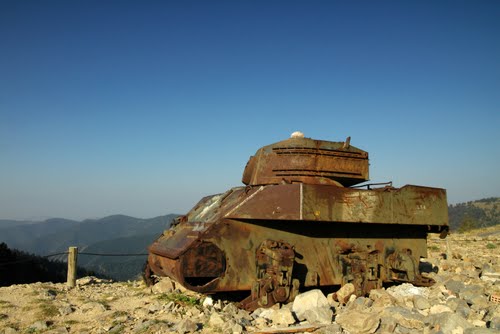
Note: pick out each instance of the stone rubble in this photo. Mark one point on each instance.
(465, 299)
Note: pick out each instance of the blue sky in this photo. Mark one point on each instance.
(143, 107)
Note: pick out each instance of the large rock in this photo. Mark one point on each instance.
(495, 323)
(360, 304)
(421, 303)
(455, 286)
(93, 307)
(447, 322)
(281, 317)
(469, 292)
(459, 306)
(319, 315)
(405, 317)
(490, 273)
(186, 326)
(9, 330)
(381, 299)
(435, 309)
(387, 325)
(343, 294)
(330, 329)
(58, 330)
(216, 320)
(358, 322)
(479, 302)
(309, 300)
(473, 330)
(165, 285)
(39, 326)
(407, 290)
(232, 327)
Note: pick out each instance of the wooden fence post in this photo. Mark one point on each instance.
(72, 257)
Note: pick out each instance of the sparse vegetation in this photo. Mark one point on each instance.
(103, 302)
(117, 314)
(26, 308)
(434, 248)
(5, 304)
(13, 325)
(180, 299)
(117, 328)
(47, 311)
(491, 246)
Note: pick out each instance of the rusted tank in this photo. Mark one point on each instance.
(300, 221)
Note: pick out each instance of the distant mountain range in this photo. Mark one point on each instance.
(117, 234)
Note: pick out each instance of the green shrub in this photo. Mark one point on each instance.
(180, 299)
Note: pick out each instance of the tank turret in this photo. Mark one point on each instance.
(305, 160)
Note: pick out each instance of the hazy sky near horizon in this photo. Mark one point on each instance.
(143, 107)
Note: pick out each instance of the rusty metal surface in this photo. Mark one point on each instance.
(308, 161)
(271, 239)
(412, 205)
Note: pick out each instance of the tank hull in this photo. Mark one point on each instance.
(273, 239)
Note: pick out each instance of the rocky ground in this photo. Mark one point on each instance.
(465, 299)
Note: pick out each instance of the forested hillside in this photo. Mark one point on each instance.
(18, 267)
(117, 234)
(474, 214)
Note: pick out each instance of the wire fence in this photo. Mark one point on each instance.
(66, 253)
(101, 254)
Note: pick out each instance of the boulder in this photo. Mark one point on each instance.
(495, 323)
(405, 317)
(358, 322)
(455, 286)
(469, 292)
(186, 326)
(319, 315)
(447, 322)
(459, 306)
(307, 301)
(421, 303)
(281, 317)
(216, 320)
(343, 294)
(473, 330)
(439, 308)
(330, 329)
(381, 299)
(165, 285)
(208, 302)
(39, 326)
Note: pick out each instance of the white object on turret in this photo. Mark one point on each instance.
(297, 134)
